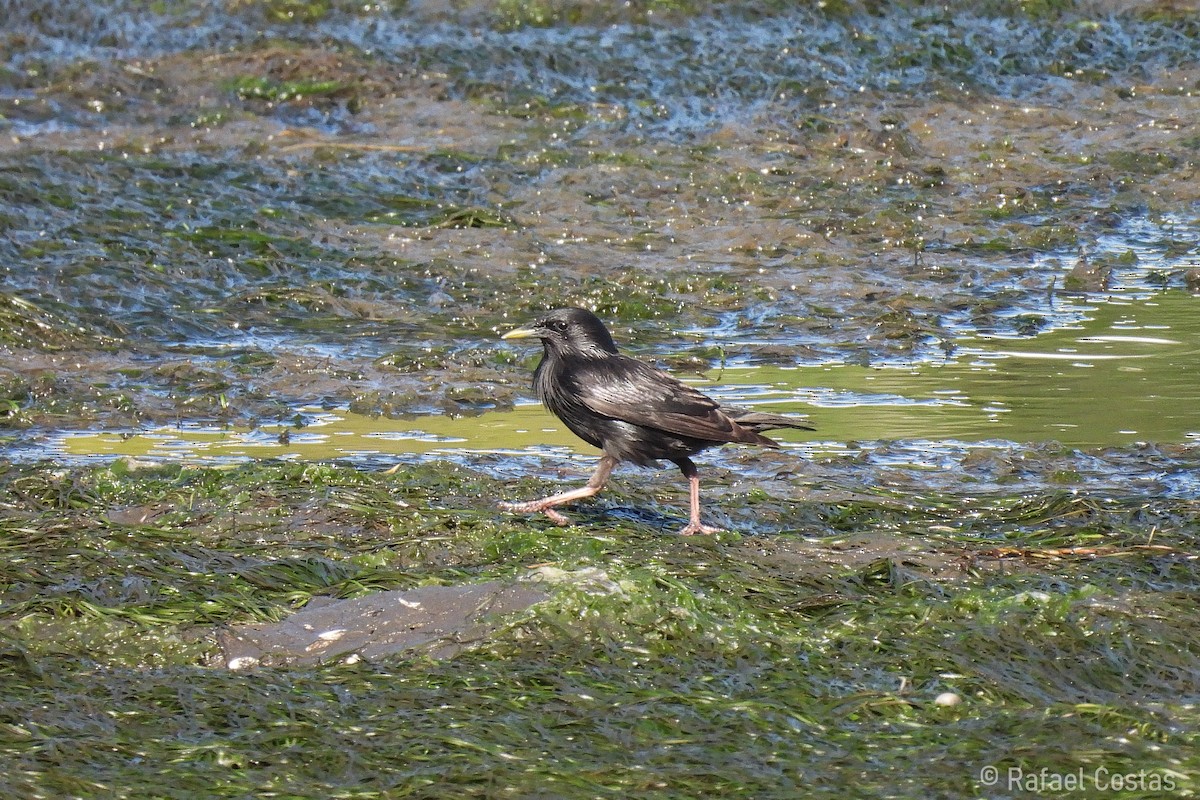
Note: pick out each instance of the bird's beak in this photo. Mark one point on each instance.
(521, 333)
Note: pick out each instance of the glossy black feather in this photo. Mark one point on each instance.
(629, 409)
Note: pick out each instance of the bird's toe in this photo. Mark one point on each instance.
(693, 528)
(533, 507)
(528, 507)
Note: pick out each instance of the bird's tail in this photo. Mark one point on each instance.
(762, 421)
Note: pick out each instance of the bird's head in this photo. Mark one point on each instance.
(569, 331)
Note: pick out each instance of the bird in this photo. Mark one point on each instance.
(630, 410)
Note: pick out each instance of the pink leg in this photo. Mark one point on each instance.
(546, 504)
(694, 525)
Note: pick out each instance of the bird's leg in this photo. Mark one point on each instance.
(546, 504)
(693, 475)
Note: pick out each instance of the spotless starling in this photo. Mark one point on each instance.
(629, 409)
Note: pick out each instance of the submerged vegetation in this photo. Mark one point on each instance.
(747, 664)
(232, 214)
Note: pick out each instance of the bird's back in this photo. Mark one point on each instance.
(635, 412)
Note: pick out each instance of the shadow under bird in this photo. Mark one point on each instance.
(629, 409)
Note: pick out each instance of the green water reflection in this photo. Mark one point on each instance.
(1126, 372)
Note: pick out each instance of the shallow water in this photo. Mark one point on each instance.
(1121, 372)
(217, 216)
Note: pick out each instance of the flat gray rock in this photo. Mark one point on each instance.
(443, 619)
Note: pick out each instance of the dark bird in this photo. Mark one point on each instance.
(629, 409)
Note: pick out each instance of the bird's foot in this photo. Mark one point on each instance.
(555, 517)
(534, 506)
(693, 528)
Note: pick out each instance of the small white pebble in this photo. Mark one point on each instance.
(245, 662)
(947, 699)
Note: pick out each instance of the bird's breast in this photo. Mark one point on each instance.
(556, 389)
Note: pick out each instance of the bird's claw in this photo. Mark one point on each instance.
(555, 517)
(693, 528)
(532, 507)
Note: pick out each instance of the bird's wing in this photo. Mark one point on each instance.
(629, 390)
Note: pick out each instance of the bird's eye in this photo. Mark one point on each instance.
(557, 325)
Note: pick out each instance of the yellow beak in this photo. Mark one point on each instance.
(520, 333)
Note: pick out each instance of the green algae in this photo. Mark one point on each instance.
(723, 665)
(258, 88)
(23, 323)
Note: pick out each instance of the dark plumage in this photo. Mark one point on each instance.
(629, 409)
